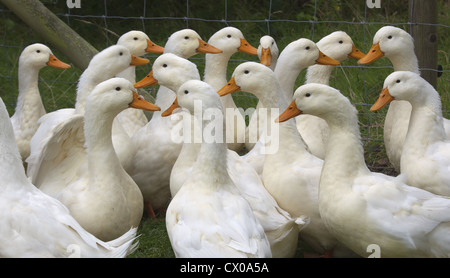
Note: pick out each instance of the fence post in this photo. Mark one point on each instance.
(425, 37)
(53, 30)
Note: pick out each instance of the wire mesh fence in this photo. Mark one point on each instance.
(102, 22)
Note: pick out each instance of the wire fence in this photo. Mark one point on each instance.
(102, 22)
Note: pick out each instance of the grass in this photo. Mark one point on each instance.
(361, 84)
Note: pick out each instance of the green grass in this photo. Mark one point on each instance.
(361, 84)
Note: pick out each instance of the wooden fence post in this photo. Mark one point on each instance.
(425, 36)
(53, 30)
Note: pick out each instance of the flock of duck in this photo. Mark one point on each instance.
(76, 181)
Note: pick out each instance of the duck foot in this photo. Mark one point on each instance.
(149, 210)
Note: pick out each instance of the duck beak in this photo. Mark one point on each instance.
(138, 61)
(56, 63)
(140, 103)
(384, 98)
(205, 47)
(153, 48)
(229, 88)
(266, 56)
(374, 53)
(290, 112)
(247, 48)
(325, 60)
(169, 111)
(356, 53)
(149, 80)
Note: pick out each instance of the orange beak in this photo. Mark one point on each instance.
(149, 80)
(374, 54)
(356, 53)
(290, 112)
(138, 61)
(247, 48)
(325, 60)
(56, 63)
(140, 103)
(205, 47)
(229, 88)
(153, 48)
(266, 56)
(171, 108)
(384, 98)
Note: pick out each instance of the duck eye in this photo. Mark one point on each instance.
(398, 81)
(228, 36)
(118, 88)
(307, 95)
(38, 51)
(307, 48)
(135, 38)
(186, 92)
(121, 53)
(186, 38)
(341, 42)
(246, 71)
(165, 66)
(390, 37)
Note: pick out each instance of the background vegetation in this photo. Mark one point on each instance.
(102, 22)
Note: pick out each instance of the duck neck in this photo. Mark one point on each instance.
(405, 61)
(129, 74)
(425, 125)
(211, 162)
(344, 157)
(164, 98)
(319, 74)
(101, 155)
(29, 99)
(287, 74)
(216, 75)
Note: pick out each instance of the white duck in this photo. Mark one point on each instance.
(86, 174)
(398, 46)
(138, 43)
(268, 55)
(297, 56)
(281, 229)
(152, 172)
(29, 106)
(35, 225)
(339, 46)
(365, 209)
(290, 172)
(230, 40)
(103, 66)
(208, 217)
(425, 158)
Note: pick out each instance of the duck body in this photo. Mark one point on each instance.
(208, 217)
(425, 159)
(360, 207)
(26, 209)
(29, 106)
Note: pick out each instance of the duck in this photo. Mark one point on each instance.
(339, 46)
(29, 107)
(425, 158)
(290, 172)
(398, 46)
(281, 229)
(138, 43)
(295, 57)
(103, 66)
(208, 217)
(26, 209)
(367, 210)
(86, 174)
(268, 55)
(152, 173)
(230, 40)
